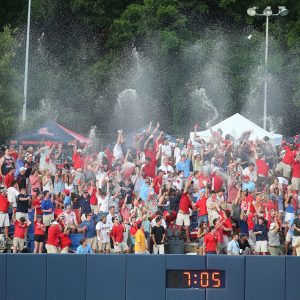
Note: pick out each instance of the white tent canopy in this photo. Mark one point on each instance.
(236, 125)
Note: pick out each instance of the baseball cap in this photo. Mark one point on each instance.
(54, 222)
(67, 192)
(22, 169)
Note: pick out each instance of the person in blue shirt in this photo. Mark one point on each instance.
(184, 165)
(261, 233)
(67, 198)
(233, 247)
(84, 247)
(247, 184)
(88, 228)
(47, 209)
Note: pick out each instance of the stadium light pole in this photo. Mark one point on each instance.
(26, 63)
(267, 12)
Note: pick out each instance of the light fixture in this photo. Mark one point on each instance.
(251, 11)
(268, 11)
(283, 11)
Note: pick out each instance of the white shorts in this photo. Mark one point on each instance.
(295, 240)
(288, 217)
(4, 220)
(288, 237)
(261, 246)
(20, 215)
(159, 249)
(121, 247)
(183, 219)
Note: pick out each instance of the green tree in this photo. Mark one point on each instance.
(9, 97)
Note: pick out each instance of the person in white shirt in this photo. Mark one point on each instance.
(103, 235)
(103, 200)
(166, 150)
(112, 213)
(233, 247)
(251, 172)
(12, 193)
(100, 175)
(117, 152)
(167, 169)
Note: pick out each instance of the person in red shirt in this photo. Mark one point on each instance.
(78, 159)
(20, 234)
(117, 231)
(284, 168)
(158, 181)
(4, 217)
(217, 181)
(9, 178)
(37, 202)
(210, 241)
(201, 207)
(53, 235)
(296, 173)
(149, 168)
(183, 216)
(64, 240)
(262, 169)
(226, 226)
(39, 232)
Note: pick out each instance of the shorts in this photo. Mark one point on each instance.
(51, 249)
(159, 249)
(20, 215)
(183, 219)
(39, 238)
(296, 183)
(203, 218)
(275, 250)
(95, 208)
(103, 246)
(288, 237)
(296, 240)
(47, 219)
(121, 247)
(19, 243)
(93, 242)
(4, 220)
(65, 250)
(288, 217)
(284, 169)
(261, 246)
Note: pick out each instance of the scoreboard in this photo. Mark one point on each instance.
(148, 277)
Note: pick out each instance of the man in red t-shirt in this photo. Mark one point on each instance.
(296, 173)
(117, 231)
(149, 168)
(53, 235)
(20, 234)
(4, 218)
(9, 178)
(201, 207)
(210, 242)
(183, 216)
(157, 181)
(284, 168)
(77, 158)
(64, 241)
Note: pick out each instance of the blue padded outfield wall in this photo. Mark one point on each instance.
(143, 277)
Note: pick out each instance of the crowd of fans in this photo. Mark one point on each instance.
(226, 196)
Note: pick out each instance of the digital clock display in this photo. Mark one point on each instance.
(203, 279)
